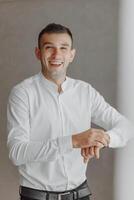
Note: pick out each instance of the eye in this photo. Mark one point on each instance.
(64, 48)
(48, 47)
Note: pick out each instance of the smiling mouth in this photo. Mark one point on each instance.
(56, 63)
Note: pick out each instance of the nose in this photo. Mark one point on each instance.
(56, 53)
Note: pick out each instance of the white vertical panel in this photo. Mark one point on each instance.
(124, 158)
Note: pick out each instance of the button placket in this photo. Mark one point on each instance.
(62, 129)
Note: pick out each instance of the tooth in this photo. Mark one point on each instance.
(57, 63)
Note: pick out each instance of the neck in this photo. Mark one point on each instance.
(57, 79)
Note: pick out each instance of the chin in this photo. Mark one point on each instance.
(58, 73)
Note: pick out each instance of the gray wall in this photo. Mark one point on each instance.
(94, 26)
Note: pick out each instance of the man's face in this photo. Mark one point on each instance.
(55, 53)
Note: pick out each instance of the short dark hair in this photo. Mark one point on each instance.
(54, 28)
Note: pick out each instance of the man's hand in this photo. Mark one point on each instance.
(89, 138)
(90, 152)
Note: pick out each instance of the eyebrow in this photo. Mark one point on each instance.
(50, 43)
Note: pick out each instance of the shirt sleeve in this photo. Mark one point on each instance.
(117, 126)
(21, 148)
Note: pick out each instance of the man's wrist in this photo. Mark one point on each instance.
(108, 139)
(74, 141)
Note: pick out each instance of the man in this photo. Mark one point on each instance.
(50, 137)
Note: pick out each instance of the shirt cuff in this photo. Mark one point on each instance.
(114, 139)
(65, 144)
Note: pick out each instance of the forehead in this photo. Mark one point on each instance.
(56, 38)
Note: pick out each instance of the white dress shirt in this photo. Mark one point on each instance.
(41, 123)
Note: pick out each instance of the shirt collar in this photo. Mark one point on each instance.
(67, 84)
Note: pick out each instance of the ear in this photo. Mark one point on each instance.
(37, 53)
(72, 54)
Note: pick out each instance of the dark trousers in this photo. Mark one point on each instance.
(82, 191)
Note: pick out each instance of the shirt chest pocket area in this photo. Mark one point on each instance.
(76, 116)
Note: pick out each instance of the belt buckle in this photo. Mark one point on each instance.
(62, 194)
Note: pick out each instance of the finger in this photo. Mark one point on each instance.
(100, 136)
(99, 145)
(107, 138)
(83, 153)
(97, 152)
(86, 154)
(91, 151)
(102, 140)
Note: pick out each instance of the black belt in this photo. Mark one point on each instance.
(79, 192)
